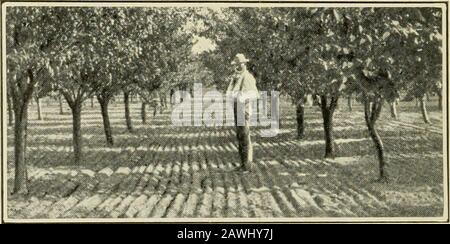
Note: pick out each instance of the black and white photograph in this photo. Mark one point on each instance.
(285, 112)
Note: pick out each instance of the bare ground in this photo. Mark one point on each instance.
(165, 171)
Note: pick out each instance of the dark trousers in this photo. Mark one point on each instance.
(243, 136)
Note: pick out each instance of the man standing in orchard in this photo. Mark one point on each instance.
(242, 89)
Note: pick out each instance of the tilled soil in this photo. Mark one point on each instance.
(162, 171)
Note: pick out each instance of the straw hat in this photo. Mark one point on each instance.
(239, 58)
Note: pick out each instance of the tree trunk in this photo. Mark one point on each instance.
(328, 130)
(162, 103)
(38, 105)
(440, 101)
(106, 123)
(20, 106)
(162, 100)
(61, 111)
(327, 114)
(143, 114)
(126, 98)
(300, 119)
(77, 143)
(165, 101)
(379, 147)
(264, 106)
(276, 109)
(10, 112)
(371, 116)
(350, 102)
(155, 110)
(423, 108)
(393, 107)
(20, 138)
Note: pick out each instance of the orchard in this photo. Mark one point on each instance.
(360, 112)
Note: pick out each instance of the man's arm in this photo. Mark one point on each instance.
(230, 85)
(248, 88)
